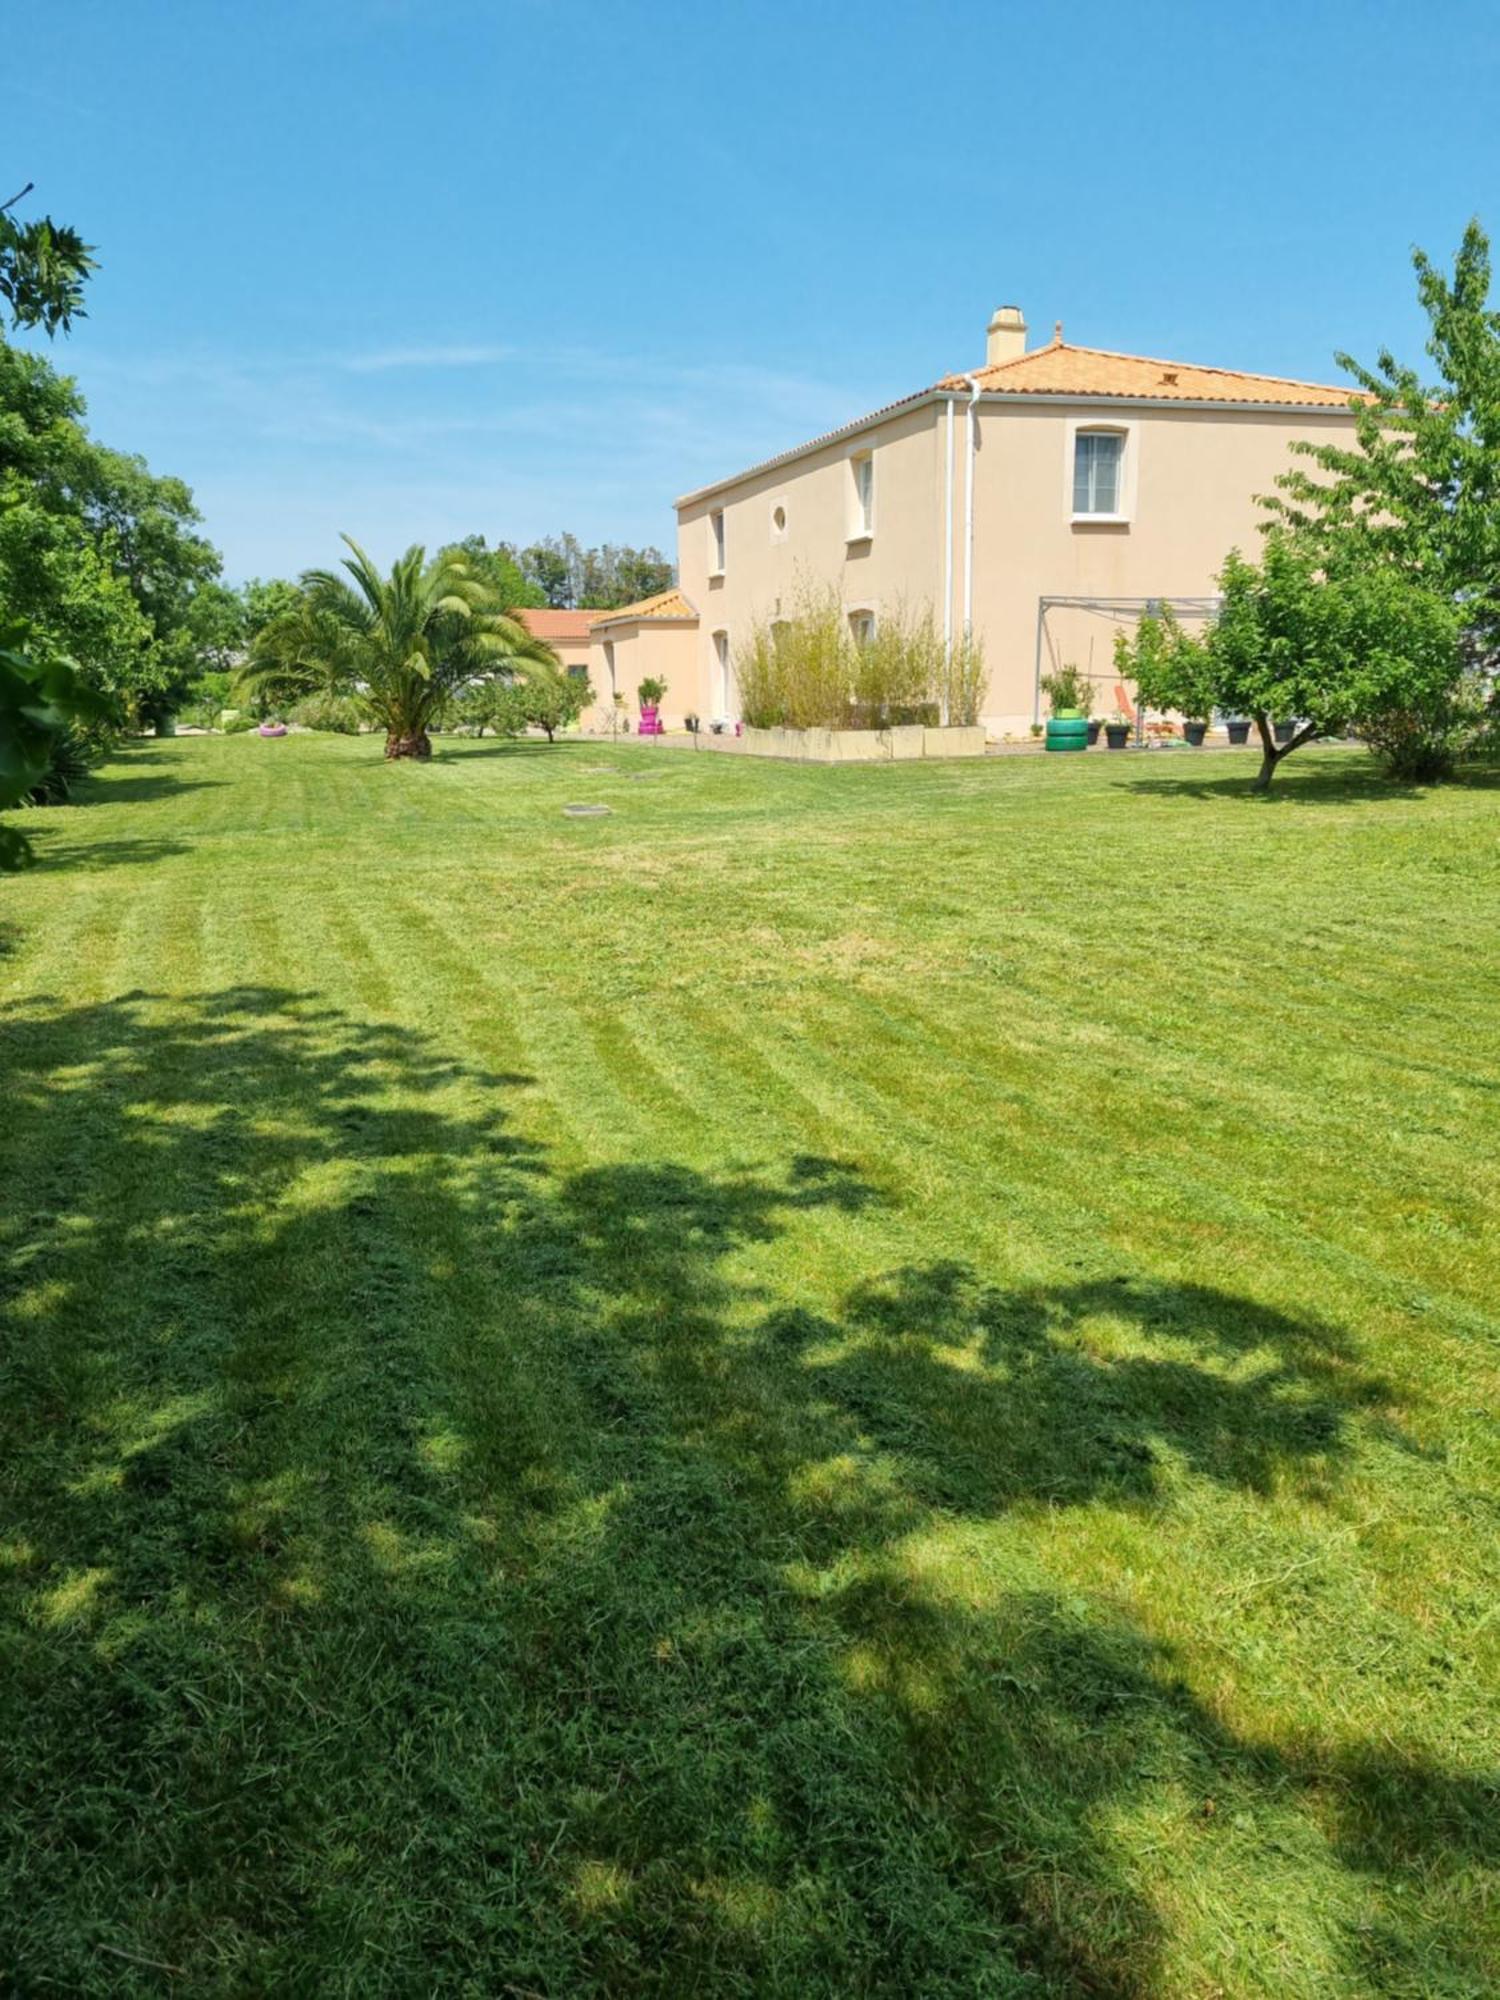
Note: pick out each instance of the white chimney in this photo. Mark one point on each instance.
(1007, 335)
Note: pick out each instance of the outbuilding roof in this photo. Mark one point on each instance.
(557, 627)
(668, 607)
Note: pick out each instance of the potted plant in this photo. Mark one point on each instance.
(1194, 729)
(1070, 693)
(691, 724)
(1239, 728)
(1284, 731)
(1117, 730)
(649, 693)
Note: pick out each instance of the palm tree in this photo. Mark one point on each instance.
(401, 644)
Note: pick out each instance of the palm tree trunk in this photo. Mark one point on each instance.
(412, 743)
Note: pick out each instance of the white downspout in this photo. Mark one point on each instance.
(948, 542)
(948, 557)
(973, 442)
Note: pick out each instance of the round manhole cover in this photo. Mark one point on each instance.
(585, 812)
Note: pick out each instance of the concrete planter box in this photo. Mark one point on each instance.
(955, 742)
(863, 746)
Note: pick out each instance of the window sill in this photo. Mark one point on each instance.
(858, 537)
(1101, 520)
(716, 576)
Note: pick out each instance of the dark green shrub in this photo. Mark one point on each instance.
(336, 714)
(72, 757)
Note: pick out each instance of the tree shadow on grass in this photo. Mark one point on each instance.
(428, 1567)
(108, 789)
(1351, 780)
(459, 749)
(54, 853)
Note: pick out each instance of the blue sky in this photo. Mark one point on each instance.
(416, 270)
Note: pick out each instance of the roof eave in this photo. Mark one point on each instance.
(1098, 398)
(943, 393)
(851, 429)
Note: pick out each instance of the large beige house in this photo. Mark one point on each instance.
(1039, 500)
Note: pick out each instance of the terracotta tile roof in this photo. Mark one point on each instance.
(1063, 370)
(1060, 369)
(557, 627)
(667, 607)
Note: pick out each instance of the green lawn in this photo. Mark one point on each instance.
(843, 1381)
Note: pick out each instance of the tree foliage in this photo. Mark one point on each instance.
(549, 702)
(565, 574)
(1366, 648)
(98, 553)
(41, 701)
(511, 588)
(1419, 489)
(402, 645)
(44, 266)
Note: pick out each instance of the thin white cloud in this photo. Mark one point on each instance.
(426, 357)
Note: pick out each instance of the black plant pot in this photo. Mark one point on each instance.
(1117, 734)
(1094, 728)
(1195, 733)
(1239, 732)
(1284, 731)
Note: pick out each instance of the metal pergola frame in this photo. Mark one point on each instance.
(1119, 611)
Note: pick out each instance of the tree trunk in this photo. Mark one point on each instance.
(416, 743)
(1270, 755)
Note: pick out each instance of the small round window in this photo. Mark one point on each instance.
(778, 520)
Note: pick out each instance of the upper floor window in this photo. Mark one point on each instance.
(778, 522)
(716, 542)
(1098, 472)
(862, 497)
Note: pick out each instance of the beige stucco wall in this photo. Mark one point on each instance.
(625, 655)
(1192, 481)
(572, 652)
(1192, 478)
(764, 567)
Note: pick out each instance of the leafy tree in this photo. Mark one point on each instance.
(555, 703)
(498, 568)
(43, 269)
(1420, 487)
(551, 567)
(1170, 667)
(1368, 649)
(401, 645)
(265, 599)
(626, 575)
(41, 700)
(549, 701)
(568, 575)
(100, 554)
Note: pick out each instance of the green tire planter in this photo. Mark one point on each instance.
(1067, 730)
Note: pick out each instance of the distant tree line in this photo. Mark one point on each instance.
(563, 573)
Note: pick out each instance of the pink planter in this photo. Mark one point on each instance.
(650, 722)
(273, 729)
